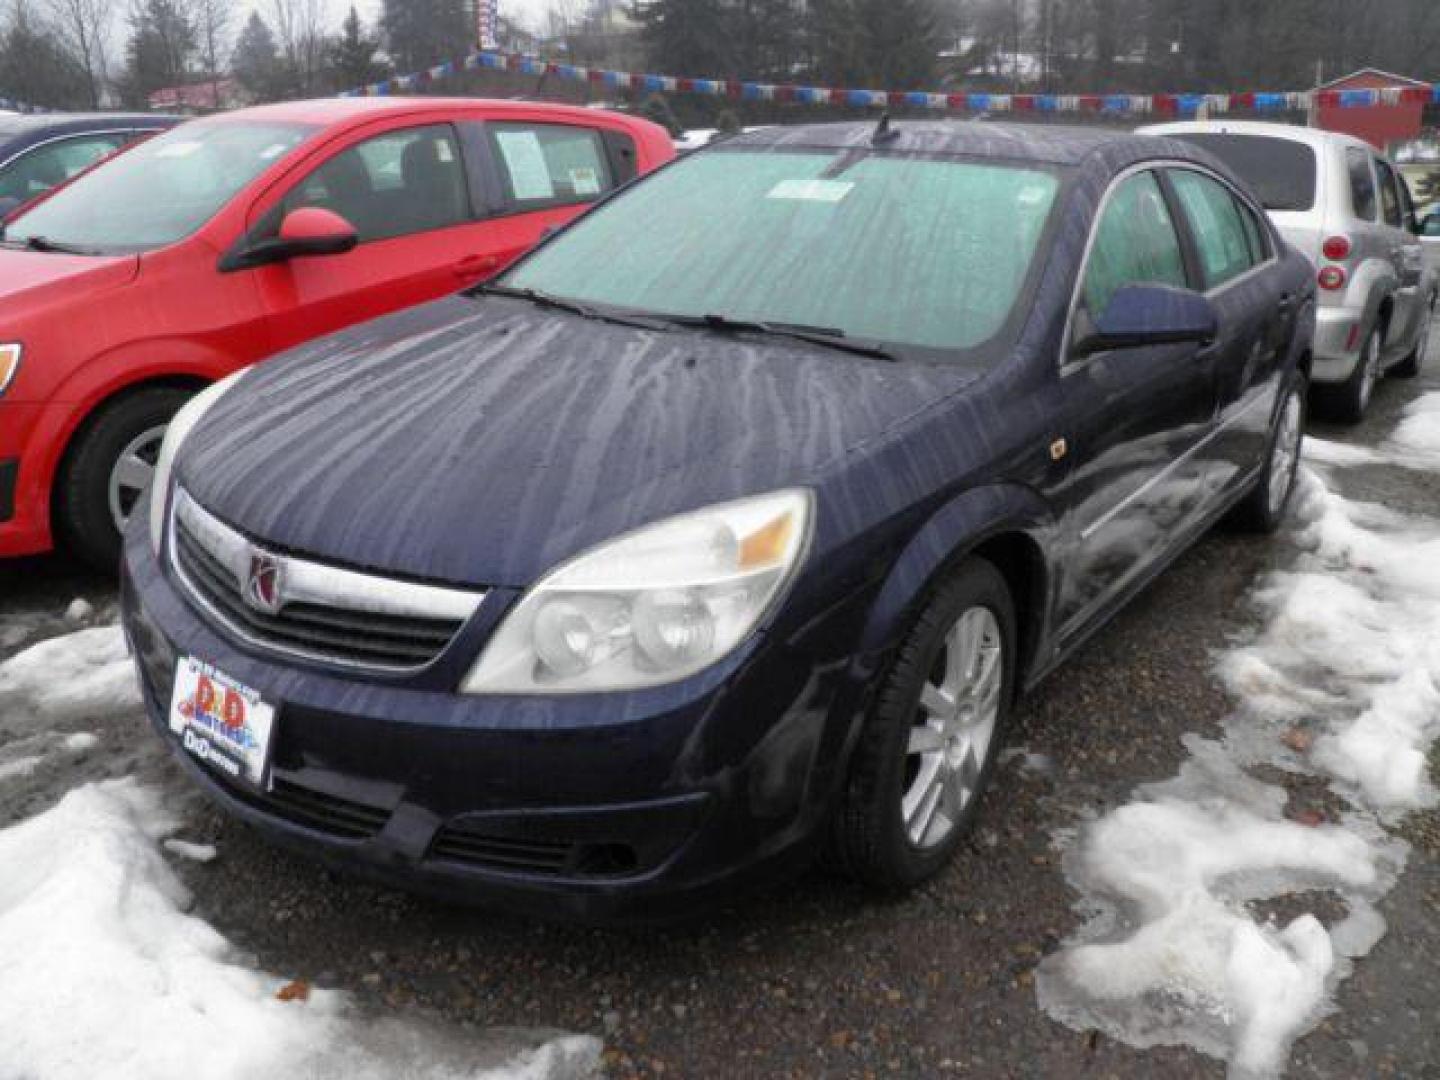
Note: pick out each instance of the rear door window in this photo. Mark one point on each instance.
(1135, 244)
(1390, 195)
(1217, 223)
(1362, 184)
(547, 165)
(1281, 172)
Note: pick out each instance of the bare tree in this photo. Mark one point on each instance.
(212, 34)
(83, 27)
(300, 34)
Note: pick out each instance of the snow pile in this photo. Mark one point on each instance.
(1351, 649)
(73, 675)
(1418, 435)
(1343, 680)
(104, 973)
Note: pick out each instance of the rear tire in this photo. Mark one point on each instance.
(1410, 366)
(1346, 402)
(928, 748)
(1264, 508)
(104, 472)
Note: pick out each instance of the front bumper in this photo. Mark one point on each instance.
(599, 807)
(1339, 335)
(24, 516)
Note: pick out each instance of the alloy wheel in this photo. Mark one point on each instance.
(954, 724)
(132, 473)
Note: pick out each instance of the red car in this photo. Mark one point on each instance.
(228, 239)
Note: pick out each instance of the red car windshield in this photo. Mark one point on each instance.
(159, 192)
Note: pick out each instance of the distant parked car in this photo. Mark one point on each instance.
(233, 237)
(1347, 208)
(43, 150)
(729, 521)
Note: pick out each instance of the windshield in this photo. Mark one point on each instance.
(1282, 171)
(159, 191)
(901, 250)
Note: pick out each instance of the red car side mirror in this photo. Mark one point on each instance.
(313, 230)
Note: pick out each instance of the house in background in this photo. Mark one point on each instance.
(1399, 120)
(208, 96)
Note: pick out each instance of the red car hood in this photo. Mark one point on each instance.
(40, 276)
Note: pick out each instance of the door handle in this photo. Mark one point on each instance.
(476, 266)
(1286, 300)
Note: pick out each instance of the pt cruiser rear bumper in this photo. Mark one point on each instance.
(1339, 336)
(599, 807)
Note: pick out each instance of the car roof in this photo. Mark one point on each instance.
(342, 110)
(1314, 137)
(25, 123)
(1059, 144)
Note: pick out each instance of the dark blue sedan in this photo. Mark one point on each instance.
(40, 151)
(729, 522)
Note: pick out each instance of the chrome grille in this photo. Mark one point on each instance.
(321, 612)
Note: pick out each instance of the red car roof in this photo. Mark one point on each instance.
(342, 110)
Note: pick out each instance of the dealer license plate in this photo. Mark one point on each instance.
(220, 721)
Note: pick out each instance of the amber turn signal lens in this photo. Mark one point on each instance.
(767, 545)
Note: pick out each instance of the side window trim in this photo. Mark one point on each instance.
(65, 137)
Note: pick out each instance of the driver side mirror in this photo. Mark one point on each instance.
(1429, 226)
(1141, 315)
(310, 230)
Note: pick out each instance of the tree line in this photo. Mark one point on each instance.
(88, 53)
(1055, 46)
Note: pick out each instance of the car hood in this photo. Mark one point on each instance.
(36, 275)
(482, 441)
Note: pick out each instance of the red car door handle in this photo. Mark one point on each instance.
(476, 266)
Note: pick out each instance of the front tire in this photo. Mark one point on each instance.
(1264, 508)
(928, 748)
(106, 470)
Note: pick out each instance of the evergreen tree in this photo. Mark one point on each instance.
(162, 42)
(34, 69)
(352, 55)
(419, 33)
(878, 44)
(255, 62)
(689, 37)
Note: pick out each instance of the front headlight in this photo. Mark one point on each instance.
(180, 426)
(9, 364)
(650, 607)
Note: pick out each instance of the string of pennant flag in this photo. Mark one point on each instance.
(737, 90)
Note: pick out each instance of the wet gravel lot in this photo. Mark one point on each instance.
(812, 977)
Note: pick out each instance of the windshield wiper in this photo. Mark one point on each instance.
(41, 243)
(558, 303)
(829, 337)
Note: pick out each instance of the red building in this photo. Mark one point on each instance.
(1380, 125)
